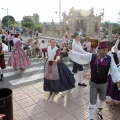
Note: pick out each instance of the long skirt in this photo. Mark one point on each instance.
(112, 90)
(19, 59)
(66, 80)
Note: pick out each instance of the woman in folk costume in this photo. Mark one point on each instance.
(57, 76)
(77, 68)
(113, 92)
(3, 49)
(19, 59)
(117, 44)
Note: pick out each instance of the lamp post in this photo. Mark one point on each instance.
(7, 16)
(102, 15)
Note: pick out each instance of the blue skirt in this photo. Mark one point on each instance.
(112, 90)
(66, 80)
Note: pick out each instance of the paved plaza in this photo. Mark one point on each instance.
(30, 102)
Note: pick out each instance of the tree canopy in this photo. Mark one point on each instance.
(8, 19)
(27, 22)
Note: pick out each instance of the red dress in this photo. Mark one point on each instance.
(2, 60)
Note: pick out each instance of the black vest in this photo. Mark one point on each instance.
(101, 76)
(118, 45)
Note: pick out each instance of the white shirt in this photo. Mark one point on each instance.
(4, 47)
(79, 49)
(86, 59)
(87, 45)
(43, 45)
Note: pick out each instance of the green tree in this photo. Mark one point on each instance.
(115, 30)
(8, 19)
(38, 27)
(106, 24)
(27, 22)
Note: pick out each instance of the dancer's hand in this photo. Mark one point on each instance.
(2, 52)
(1, 116)
(115, 48)
(55, 61)
(118, 85)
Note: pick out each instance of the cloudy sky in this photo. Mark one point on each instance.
(46, 8)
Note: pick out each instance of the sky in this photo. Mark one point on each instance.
(46, 8)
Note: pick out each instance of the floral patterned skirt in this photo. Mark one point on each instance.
(19, 59)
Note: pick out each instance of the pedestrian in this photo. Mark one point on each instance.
(3, 49)
(19, 59)
(57, 76)
(10, 40)
(36, 33)
(100, 64)
(87, 44)
(77, 68)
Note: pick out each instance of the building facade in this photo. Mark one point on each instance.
(34, 18)
(84, 20)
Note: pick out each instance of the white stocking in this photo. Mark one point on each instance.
(91, 111)
(80, 77)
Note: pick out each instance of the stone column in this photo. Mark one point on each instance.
(52, 28)
(61, 29)
(44, 28)
(110, 32)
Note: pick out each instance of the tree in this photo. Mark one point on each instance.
(115, 30)
(27, 22)
(38, 27)
(106, 24)
(8, 19)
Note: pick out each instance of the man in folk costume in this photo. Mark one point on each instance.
(77, 68)
(3, 49)
(100, 64)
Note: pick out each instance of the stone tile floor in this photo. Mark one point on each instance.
(32, 103)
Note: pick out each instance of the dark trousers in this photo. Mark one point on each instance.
(77, 67)
(11, 44)
(115, 58)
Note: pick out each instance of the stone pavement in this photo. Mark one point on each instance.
(32, 103)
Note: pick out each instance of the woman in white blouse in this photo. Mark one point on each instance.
(87, 45)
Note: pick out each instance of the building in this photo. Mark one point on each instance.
(81, 19)
(34, 18)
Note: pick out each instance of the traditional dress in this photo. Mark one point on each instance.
(112, 90)
(19, 58)
(57, 77)
(117, 44)
(99, 74)
(4, 48)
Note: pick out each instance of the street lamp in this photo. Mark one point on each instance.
(102, 15)
(59, 15)
(7, 16)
